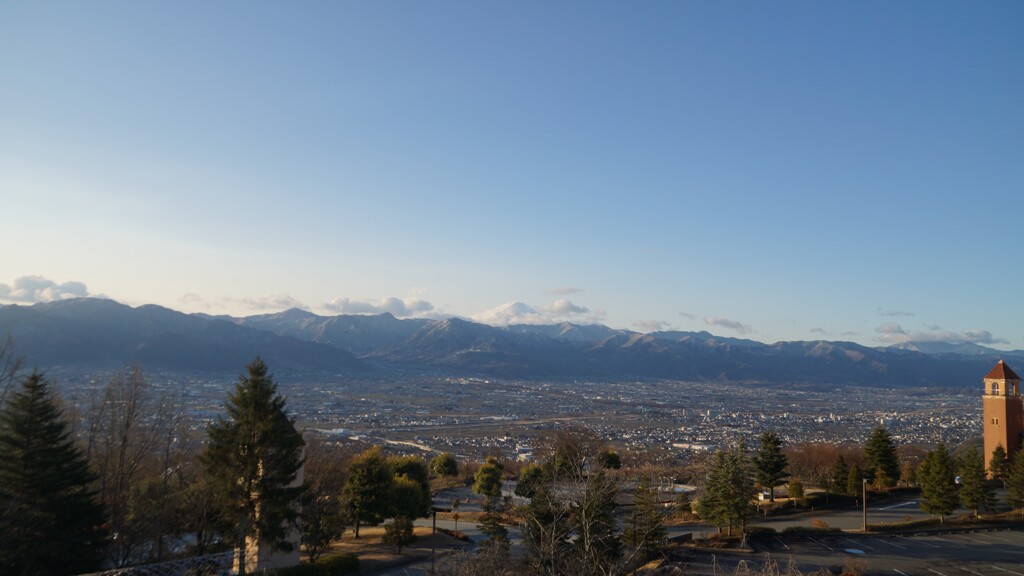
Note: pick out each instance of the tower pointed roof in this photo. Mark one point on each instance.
(1002, 372)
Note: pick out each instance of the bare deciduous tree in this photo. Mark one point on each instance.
(9, 366)
(133, 441)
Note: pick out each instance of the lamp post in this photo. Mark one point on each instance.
(864, 497)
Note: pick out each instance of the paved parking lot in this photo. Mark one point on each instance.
(990, 553)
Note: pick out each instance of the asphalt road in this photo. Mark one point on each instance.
(983, 553)
(882, 511)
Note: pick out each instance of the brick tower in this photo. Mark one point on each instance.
(1004, 411)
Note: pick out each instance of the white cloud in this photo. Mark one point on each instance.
(519, 313)
(563, 291)
(193, 300)
(893, 333)
(269, 302)
(651, 325)
(688, 316)
(894, 313)
(726, 323)
(563, 307)
(818, 331)
(398, 307)
(31, 289)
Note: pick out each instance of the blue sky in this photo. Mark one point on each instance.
(778, 171)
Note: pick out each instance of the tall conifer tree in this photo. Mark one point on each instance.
(854, 478)
(881, 463)
(840, 474)
(939, 494)
(974, 491)
(253, 457)
(998, 466)
(729, 489)
(50, 520)
(645, 530)
(770, 463)
(1015, 482)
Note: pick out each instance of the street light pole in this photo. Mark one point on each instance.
(864, 497)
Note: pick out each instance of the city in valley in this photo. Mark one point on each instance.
(667, 421)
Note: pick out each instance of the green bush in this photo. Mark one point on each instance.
(760, 530)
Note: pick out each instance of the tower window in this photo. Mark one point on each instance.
(995, 421)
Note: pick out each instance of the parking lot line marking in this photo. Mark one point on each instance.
(921, 542)
(951, 539)
(889, 543)
(857, 543)
(822, 543)
(781, 542)
(1010, 571)
(1005, 538)
(971, 571)
(898, 505)
(936, 571)
(898, 572)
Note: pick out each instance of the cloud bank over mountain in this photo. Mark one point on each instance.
(397, 307)
(32, 289)
(561, 310)
(728, 324)
(893, 333)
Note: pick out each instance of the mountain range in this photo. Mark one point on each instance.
(88, 333)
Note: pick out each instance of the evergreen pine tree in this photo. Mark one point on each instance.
(645, 530)
(998, 465)
(1015, 482)
(854, 479)
(253, 457)
(975, 493)
(840, 474)
(880, 455)
(490, 522)
(50, 520)
(728, 490)
(939, 493)
(487, 480)
(770, 463)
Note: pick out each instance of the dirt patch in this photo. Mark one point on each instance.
(375, 556)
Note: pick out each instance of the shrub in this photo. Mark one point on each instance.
(853, 567)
